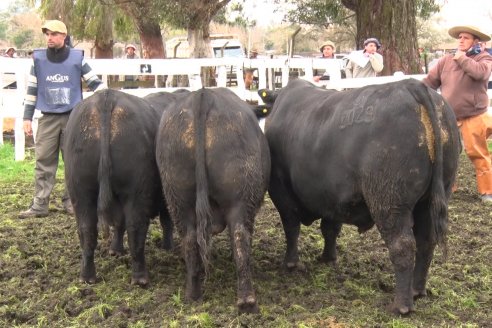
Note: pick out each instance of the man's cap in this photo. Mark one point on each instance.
(327, 43)
(54, 26)
(373, 40)
(131, 46)
(455, 32)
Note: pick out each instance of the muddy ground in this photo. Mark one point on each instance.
(40, 262)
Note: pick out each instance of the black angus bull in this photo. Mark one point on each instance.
(383, 154)
(111, 174)
(214, 165)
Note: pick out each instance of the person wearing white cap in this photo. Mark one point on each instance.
(462, 78)
(54, 87)
(10, 52)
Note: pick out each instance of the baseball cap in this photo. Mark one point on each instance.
(54, 26)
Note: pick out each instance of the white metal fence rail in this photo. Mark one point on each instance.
(270, 73)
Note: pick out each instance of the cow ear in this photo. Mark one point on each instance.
(268, 96)
(262, 110)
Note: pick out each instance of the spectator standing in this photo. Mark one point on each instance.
(10, 52)
(367, 62)
(130, 54)
(54, 87)
(462, 78)
(327, 50)
(250, 80)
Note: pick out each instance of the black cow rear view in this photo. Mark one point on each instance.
(214, 165)
(111, 174)
(383, 154)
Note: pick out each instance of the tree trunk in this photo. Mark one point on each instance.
(104, 39)
(393, 22)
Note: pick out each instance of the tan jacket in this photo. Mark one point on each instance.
(373, 66)
(463, 82)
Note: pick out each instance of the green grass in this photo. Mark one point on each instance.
(12, 170)
(40, 265)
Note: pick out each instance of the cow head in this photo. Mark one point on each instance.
(268, 96)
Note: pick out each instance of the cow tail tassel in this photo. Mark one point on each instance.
(105, 195)
(202, 206)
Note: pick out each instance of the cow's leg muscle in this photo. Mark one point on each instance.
(240, 232)
(137, 227)
(286, 206)
(330, 231)
(191, 254)
(117, 248)
(167, 229)
(425, 249)
(87, 229)
(396, 230)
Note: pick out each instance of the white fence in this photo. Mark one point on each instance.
(271, 73)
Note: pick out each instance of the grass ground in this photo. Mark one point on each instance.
(40, 262)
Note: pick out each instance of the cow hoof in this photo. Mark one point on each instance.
(90, 281)
(295, 266)
(327, 260)
(247, 305)
(419, 293)
(116, 252)
(402, 309)
(141, 280)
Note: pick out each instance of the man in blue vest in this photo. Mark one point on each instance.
(54, 87)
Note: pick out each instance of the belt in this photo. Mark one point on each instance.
(59, 114)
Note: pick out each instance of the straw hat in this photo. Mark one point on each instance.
(455, 32)
(327, 43)
(131, 46)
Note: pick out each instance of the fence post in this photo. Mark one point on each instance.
(20, 139)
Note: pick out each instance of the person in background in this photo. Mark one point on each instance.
(327, 50)
(483, 46)
(130, 54)
(365, 63)
(250, 80)
(54, 87)
(10, 52)
(462, 78)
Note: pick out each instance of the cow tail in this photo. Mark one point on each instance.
(105, 195)
(438, 202)
(202, 208)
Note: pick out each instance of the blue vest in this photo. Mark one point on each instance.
(59, 84)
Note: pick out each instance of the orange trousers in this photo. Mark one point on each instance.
(475, 131)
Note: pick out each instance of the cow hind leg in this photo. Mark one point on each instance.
(396, 231)
(87, 230)
(137, 227)
(286, 206)
(194, 265)
(167, 229)
(330, 231)
(116, 248)
(240, 233)
(425, 249)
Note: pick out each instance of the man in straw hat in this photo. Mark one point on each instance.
(327, 49)
(463, 78)
(54, 87)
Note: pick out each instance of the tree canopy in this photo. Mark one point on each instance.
(391, 21)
